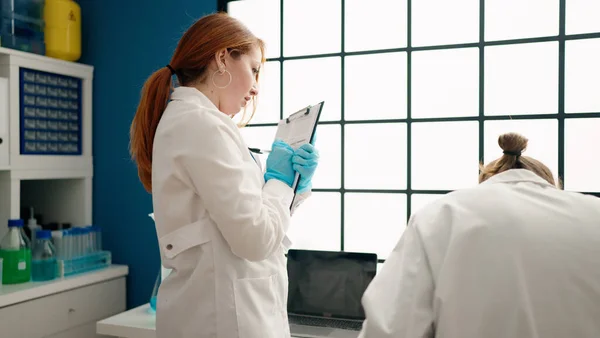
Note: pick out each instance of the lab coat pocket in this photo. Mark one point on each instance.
(257, 309)
(184, 238)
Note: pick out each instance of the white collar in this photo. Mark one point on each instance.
(183, 93)
(517, 175)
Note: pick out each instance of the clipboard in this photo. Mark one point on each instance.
(297, 129)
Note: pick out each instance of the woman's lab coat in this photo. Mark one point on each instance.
(220, 227)
(513, 257)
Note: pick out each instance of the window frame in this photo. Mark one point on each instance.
(561, 116)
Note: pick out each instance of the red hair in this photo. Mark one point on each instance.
(192, 57)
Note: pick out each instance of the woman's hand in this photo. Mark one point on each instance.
(305, 162)
(279, 163)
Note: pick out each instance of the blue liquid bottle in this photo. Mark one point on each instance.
(43, 262)
(154, 296)
(162, 275)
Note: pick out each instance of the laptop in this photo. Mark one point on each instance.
(325, 292)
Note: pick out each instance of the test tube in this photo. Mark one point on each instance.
(93, 239)
(88, 240)
(67, 246)
(84, 241)
(76, 241)
(80, 241)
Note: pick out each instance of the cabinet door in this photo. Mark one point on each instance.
(94, 303)
(50, 315)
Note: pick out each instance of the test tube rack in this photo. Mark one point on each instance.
(89, 262)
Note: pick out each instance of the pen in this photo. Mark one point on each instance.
(259, 151)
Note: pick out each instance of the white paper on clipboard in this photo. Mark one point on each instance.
(299, 128)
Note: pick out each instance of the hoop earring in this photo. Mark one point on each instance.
(221, 73)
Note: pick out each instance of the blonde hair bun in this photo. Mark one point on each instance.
(512, 143)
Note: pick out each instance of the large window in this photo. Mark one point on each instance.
(416, 94)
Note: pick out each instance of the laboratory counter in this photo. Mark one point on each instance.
(135, 323)
(67, 307)
(18, 293)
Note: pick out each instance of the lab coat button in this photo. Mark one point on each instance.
(169, 246)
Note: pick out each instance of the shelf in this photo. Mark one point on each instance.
(18, 293)
(46, 59)
(51, 174)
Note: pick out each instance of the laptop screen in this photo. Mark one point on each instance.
(329, 284)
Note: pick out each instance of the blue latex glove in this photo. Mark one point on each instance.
(279, 163)
(305, 160)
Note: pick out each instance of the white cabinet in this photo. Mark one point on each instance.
(46, 163)
(50, 112)
(69, 312)
(46, 132)
(4, 135)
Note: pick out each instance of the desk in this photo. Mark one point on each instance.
(135, 323)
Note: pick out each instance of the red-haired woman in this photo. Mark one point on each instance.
(220, 221)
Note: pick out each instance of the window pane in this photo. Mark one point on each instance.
(444, 155)
(582, 16)
(267, 110)
(441, 22)
(445, 83)
(310, 81)
(373, 222)
(521, 79)
(375, 156)
(312, 27)
(373, 25)
(365, 79)
(582, 71)
(316, 223)
(515, 19)
(262, 18)
(329, 144)
(582, 162)
(259, 137)
(419, 201)
(542, 135)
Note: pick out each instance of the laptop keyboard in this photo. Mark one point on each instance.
(326, 322)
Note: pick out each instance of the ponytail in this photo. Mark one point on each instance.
(153, 103)
(513, 145)
(195, 52)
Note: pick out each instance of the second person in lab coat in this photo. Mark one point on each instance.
(512, 257)
(221, 222)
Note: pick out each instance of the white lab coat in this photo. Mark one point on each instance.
(512, 257)
(220, 227)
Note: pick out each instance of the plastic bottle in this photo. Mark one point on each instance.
(63, 29)
(57, 240)
(43, 263)
(32, 225)
(15, 251)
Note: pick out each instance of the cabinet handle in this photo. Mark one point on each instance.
(71, 310)
(0, 140)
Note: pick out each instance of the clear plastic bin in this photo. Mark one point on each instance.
(22, 25)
